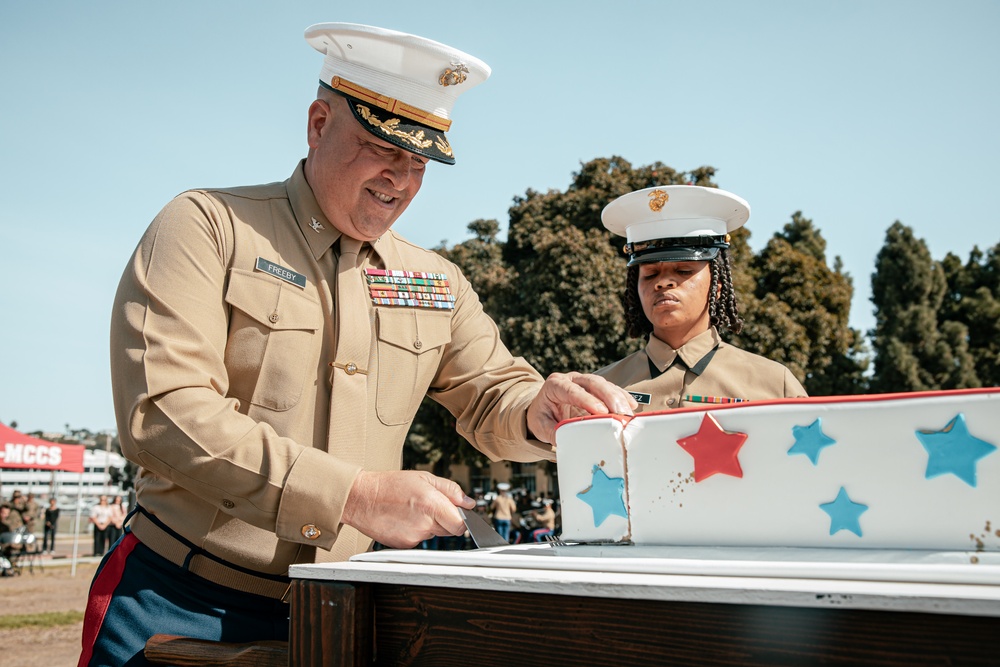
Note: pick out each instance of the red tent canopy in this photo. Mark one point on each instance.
(18, 450)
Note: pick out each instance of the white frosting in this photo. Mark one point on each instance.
(877, 458)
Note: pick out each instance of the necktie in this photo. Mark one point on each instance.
(349, 393)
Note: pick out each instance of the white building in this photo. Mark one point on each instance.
(66, 486)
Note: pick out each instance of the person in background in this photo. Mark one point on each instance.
(30, 512)
(546, 520)
(15, 519)
(51, 527)
(100, 518)
(270, 346)
(6, 541)
(5, 513)
(503, 508)
(117, 520)
(678, 295)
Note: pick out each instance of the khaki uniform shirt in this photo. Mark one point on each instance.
(546, 518)
(705, 368)
(222, 382)
(504, 507)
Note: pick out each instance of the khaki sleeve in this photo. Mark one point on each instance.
(793, 388)
(169, 379)
(485, 388)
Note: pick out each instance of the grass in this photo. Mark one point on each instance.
(46, 620)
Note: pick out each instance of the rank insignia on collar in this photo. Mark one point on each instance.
(417, 289)
(316, 225)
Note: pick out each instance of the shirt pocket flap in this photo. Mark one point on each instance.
(271, 303)
(414, 330)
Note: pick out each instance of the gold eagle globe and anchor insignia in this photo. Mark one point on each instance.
(454, 75)
(657, 198)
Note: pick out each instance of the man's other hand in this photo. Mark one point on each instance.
(565, 395)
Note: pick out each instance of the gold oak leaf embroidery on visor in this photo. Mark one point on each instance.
(443, 146)
(389, 127)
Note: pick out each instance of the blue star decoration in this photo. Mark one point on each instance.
(810, 440)
(953, 449)
(605, 495)
(844, 513)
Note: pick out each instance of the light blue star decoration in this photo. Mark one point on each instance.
(605, 495)
(953, 449)
(810, 440)
(845, 514)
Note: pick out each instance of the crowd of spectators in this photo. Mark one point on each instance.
(518, 515)
(23, 521)
(18, 517)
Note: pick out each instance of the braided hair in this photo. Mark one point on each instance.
(722, 307)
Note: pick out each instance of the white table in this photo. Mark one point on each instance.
(588, 604)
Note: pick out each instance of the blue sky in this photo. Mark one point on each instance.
(857, 113)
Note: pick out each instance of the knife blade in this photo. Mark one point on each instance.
(482, 533)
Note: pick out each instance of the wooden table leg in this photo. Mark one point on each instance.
(331, 624)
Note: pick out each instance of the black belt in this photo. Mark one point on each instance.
(165, 542)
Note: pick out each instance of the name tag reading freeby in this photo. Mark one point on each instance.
(640, 397)
(281, 272)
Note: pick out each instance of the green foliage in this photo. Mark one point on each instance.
(797, 309)
(563, 311)
(917, 348)
(973, 299)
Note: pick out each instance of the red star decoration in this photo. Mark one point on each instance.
(714, 450)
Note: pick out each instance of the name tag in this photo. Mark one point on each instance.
(281, 272)
(640, 397)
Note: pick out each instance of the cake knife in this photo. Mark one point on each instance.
(482, 533)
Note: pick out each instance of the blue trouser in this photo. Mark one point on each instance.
(502, 526)
(136, 594)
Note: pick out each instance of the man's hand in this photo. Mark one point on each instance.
(400, 509)
(566, 394)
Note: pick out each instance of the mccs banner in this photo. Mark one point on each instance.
(18, 450)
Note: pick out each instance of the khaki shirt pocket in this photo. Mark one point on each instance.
(410, 345)
(273, 345)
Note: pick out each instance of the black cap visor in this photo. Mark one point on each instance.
(398, 130)
(674, 255)
(692, 249)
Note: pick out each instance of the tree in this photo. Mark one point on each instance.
(797, 310)
(916, 349)
(563, 311)
(973, 299)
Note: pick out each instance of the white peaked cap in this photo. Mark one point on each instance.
(675, 222)
(408, 83)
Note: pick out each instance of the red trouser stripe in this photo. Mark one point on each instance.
(101, 592)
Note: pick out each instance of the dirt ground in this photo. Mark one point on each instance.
(49, 587)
